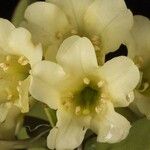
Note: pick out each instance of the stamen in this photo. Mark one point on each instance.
(77, 110)
(23, 61)
(98, 109)
(4, 66)
(95, 40)
(86, 81)
(100, 84)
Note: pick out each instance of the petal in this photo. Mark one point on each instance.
(68, 133)
(5, 29)
(77, 55)
(4, 108)
(143, 103)
(45, 80)
(141, 35)
(23, 101)
(21, 44)
(122, 76)
(74, 10)
(110, 126)
(45, 21)
(111, 20)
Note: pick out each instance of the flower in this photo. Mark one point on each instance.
(139, 49)
(17, 56)
(105, 22)
(84, 94)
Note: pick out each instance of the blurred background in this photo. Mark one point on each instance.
(141, 7)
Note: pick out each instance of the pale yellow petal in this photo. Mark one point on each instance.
(110, 126)
(110, 20)
(121, 76)
(77, 55)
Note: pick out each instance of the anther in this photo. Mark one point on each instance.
(23, 61)
(77, 110)
(98, 109)
(4, 66)
(86, 81)
(100, 84)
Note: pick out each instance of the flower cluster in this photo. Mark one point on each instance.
(57, 57)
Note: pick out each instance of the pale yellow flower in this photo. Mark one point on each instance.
(105, 22)
(84, 94)
(139, 51)
(17, 56)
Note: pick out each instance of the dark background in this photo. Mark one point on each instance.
(141, 7)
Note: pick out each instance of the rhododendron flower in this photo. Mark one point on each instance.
(17, 56)
(105, 22)
(84, 94)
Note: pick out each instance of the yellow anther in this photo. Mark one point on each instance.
(98, 109)
(4, 66)
(100, 84)
(23, 61)
(86, 81)
(77, 110)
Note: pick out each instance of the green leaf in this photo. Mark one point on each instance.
(138, 139)
(18, 15)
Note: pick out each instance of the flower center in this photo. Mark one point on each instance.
(13, 69)
(88, 99)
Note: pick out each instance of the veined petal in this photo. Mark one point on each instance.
(20, 43)
(141, 36)
(122, 76)
(23, 101)
(68, 133)
(5, 29)
(45, 80)
(111, 127)
(74, 9)
(109, 19)
(77, 55)
(45, 21)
